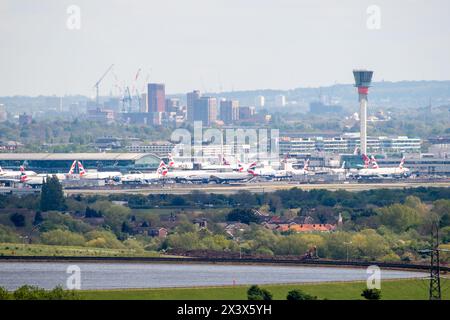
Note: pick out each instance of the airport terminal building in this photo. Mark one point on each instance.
(61, 162)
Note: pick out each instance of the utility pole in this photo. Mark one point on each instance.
(435, 271)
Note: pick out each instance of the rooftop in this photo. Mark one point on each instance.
(73, 156)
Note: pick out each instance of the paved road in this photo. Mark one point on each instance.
(258, 187)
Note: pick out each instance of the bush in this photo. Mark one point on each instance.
(63, 238)
(8, 235)
(103, 239)
(27, 292)
(4, 294)
(371, 294)
(256, 293)
(297, 295)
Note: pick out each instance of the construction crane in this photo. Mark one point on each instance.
(97, 84)
(135, 89)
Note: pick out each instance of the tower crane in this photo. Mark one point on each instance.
(97, 84)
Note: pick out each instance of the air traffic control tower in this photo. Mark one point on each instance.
(363, 79)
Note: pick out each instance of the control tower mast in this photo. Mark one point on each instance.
(363, 79)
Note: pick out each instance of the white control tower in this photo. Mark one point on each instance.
(363, 79)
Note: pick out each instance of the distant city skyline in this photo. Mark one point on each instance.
(219, 45)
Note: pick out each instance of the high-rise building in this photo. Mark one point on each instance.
(191, 97)
(172, 104)
(260, 101)
(280, 101)
(205, 110)
(143, 103)
(229, 111)
(156, 97)
(246, 112)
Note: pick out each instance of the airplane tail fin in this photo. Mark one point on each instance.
(162, 169)
(171, 161)
(306, 166)
(366, 161)
(374, 163)
(251, 169)
(225, 162)
(23, 176)
(81, 169)
(72, 167)
(402, 163)
(240, 166)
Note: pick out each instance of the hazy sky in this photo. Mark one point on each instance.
(218, 44)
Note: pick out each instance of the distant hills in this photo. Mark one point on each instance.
(403, 94)
(385, 94)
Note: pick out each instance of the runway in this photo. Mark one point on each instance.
(255, 188)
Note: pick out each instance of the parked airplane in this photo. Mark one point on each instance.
(298, 172)
(10, 174)
(179, 165)
(96, 175)
(270, 173)
(224, 166)
(235, 176)
(377, 172)
(160, 173)
(327, 170)
(39, 179)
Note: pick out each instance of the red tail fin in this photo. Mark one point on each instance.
(366, 161)
(72, 167)
(23, 177)
(171, 161)
(251, 168)
(402, 163)
(374, 163)
(305, 167)
(81, 169)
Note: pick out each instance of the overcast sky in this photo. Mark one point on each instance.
(218, 45)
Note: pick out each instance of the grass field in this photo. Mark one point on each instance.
(17, 249)
(391, 290)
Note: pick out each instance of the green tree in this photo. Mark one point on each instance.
(256, 293)
(37, 218)
(399, 217)
(52, 195)
(369, 244)
(297, 295)
(18, 219)
(242, 215)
